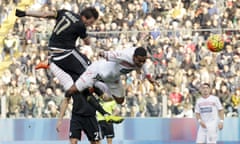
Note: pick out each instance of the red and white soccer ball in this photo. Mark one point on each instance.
(215, 43)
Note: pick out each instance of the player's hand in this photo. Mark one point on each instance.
(203, 125)
(20, 13)
(59, 123)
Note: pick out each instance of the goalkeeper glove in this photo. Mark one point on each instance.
(20, 13)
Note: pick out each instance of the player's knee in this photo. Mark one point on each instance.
(73, 140)
(71, 91)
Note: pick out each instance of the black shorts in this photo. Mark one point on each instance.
(106, 129)
(74, 63)
(89, 125)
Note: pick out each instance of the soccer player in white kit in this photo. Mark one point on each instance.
(105, 73)
(210, 115)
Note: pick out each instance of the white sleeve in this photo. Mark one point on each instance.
(119, 55)
(112, 56)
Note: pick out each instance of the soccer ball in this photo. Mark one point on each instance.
(215, 43)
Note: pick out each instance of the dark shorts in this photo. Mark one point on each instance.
(107, 129)
(74, 64)
(88, 125)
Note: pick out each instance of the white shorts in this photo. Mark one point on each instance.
(88, 79)
(111, 88)
(116, 89)
(207, 135)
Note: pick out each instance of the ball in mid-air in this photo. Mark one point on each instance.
(215, 43)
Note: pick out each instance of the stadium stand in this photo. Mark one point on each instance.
(174, 32)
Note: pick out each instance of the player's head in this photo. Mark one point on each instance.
(205, 89)
(140, 56)
(89, 15)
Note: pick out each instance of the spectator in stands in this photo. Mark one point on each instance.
(6, 77)
(51, 110)
(153, 107)
(39, 104)
(236, 103)
(225, 97)
(13, 103)
(141, 103)
(176, 98)
(9, 44)
(29, 107)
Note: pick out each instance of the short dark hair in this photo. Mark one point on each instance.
(140, 51)
(206, 84)
(90, 12)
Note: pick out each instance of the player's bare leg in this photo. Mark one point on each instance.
(72, 90)
(73, 140)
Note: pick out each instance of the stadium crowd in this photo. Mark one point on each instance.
(171, 30)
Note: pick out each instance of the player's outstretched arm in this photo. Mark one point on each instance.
(38, 14)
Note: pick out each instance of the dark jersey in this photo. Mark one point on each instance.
(67, 29)
(81, 106)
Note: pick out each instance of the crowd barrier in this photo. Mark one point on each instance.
(131, 131)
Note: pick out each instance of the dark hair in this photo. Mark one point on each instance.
(140, 51)
(90, 12)
(206, 84)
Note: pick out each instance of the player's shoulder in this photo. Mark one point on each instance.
(61, 11)
(129, 50)
(65, 12)
(133, 48)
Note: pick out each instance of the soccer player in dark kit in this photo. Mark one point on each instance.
(66, 62)
(83, 118)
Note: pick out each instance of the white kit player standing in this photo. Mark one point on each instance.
(210, 115)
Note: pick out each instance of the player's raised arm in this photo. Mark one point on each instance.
(37, 14)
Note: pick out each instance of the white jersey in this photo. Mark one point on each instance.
(208, 108)
(124, 61)
(109, 70)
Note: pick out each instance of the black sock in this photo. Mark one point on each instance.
(93, 101)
